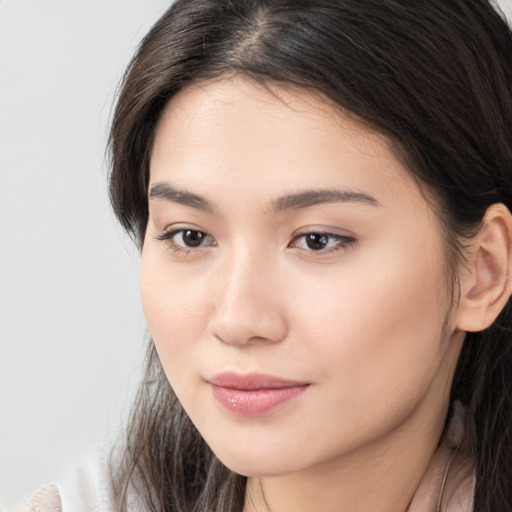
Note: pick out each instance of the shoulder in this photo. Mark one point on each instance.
(46, 499)
(86, 487)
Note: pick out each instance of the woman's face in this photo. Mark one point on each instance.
(293, 280)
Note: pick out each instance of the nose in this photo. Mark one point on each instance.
(248, 302)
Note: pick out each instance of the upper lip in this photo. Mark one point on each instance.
(252, 381)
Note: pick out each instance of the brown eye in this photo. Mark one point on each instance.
(192, 238)
(316, 241)
(323, 243)
(186, 239)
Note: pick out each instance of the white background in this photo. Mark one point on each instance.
(71, 329)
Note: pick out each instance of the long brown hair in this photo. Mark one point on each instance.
(434, 76)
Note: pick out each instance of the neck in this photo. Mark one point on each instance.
(381, 476)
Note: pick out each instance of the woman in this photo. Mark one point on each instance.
(321, 192)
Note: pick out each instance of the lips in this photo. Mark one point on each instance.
(253, 394)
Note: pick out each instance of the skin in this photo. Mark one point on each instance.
(360, 321)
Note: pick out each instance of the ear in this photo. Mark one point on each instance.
(486, 278)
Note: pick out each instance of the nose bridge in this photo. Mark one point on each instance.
(248, 306)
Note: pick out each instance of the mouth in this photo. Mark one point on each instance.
(253, 394)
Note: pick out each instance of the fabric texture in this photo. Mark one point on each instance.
(46, 499)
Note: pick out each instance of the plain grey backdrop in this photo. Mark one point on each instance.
(72, 333)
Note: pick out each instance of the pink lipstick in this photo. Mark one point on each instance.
(253, 394)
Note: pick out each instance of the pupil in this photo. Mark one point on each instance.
(193, 238)
(316, 241)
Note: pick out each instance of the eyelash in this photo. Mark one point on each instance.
(342, 242)
(169, 238)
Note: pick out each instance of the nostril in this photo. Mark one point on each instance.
(246, 307)
(241, 326)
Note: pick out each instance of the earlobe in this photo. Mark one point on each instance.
(486, 280)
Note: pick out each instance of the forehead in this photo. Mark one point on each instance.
(252, 108)
(270, 139)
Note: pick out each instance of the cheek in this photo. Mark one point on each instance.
(173, 300)
(374, 329)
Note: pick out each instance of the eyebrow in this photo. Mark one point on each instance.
(323, 196)
(288, 202)
(163, 190)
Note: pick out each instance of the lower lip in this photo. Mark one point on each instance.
(255, 402)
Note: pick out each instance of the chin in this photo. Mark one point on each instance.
(260, 461)
(257, 468)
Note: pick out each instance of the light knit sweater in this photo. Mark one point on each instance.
(46, 499)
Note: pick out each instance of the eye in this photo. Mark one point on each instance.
(190, 238)
(186, 239)
(322, 242)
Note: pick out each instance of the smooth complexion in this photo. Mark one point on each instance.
(287, 241)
